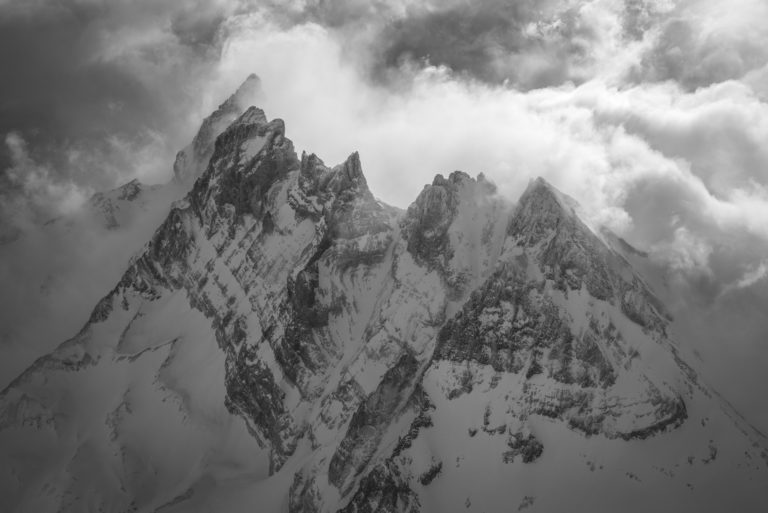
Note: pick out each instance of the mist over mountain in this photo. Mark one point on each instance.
(284, 340)
(198, 312)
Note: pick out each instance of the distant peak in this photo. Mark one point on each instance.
(248, 92)
(460, 182)
(192, 160)
(455, 177)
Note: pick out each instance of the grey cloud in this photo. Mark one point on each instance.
(714, 286)
(530, 44)
(696, 56)
(98, 89)
(337, 14)
(729, 335)
(50, 90)
(639, 17)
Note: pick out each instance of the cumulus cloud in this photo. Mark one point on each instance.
(701, 42)
(753, 276)
(28, 194)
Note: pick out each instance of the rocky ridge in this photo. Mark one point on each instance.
(378, 358)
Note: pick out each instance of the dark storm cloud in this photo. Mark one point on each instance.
(52, 90)
(95, 91)
(337, 14)
(528, 43)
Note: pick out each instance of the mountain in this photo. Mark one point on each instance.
(56, 272)
(192, 160)
(286, 342)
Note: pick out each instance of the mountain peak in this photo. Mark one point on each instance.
(253, 116)
(245, 138)
(350, 174)
(247, 93)
(455, 178)
(192, 160)
(540, 189)
(452, 225)
(542, 208)
(317, 178)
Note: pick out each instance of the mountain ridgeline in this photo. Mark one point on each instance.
(287, 342)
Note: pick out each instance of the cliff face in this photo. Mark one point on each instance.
(286, 340)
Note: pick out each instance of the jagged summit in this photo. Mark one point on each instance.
(252, 116)
(192, 160)
(455, 177)
(460, 180)
(247, 94)
(542, 207)
(546, 223)
(352, 170)
(428, 220)
(347, 176)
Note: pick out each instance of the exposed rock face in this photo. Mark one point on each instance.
(360, 443)
(429, 218)
(382, 360)
(383, 491)
(520, 322)
(192, 160)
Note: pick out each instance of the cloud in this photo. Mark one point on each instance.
(753, 276)
(102, 91)
(526, 44)
(29, 194)
(702, 42)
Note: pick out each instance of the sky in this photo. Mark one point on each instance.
(652, 114)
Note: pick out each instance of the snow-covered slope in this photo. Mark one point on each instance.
(286, 342)
(53, 274)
